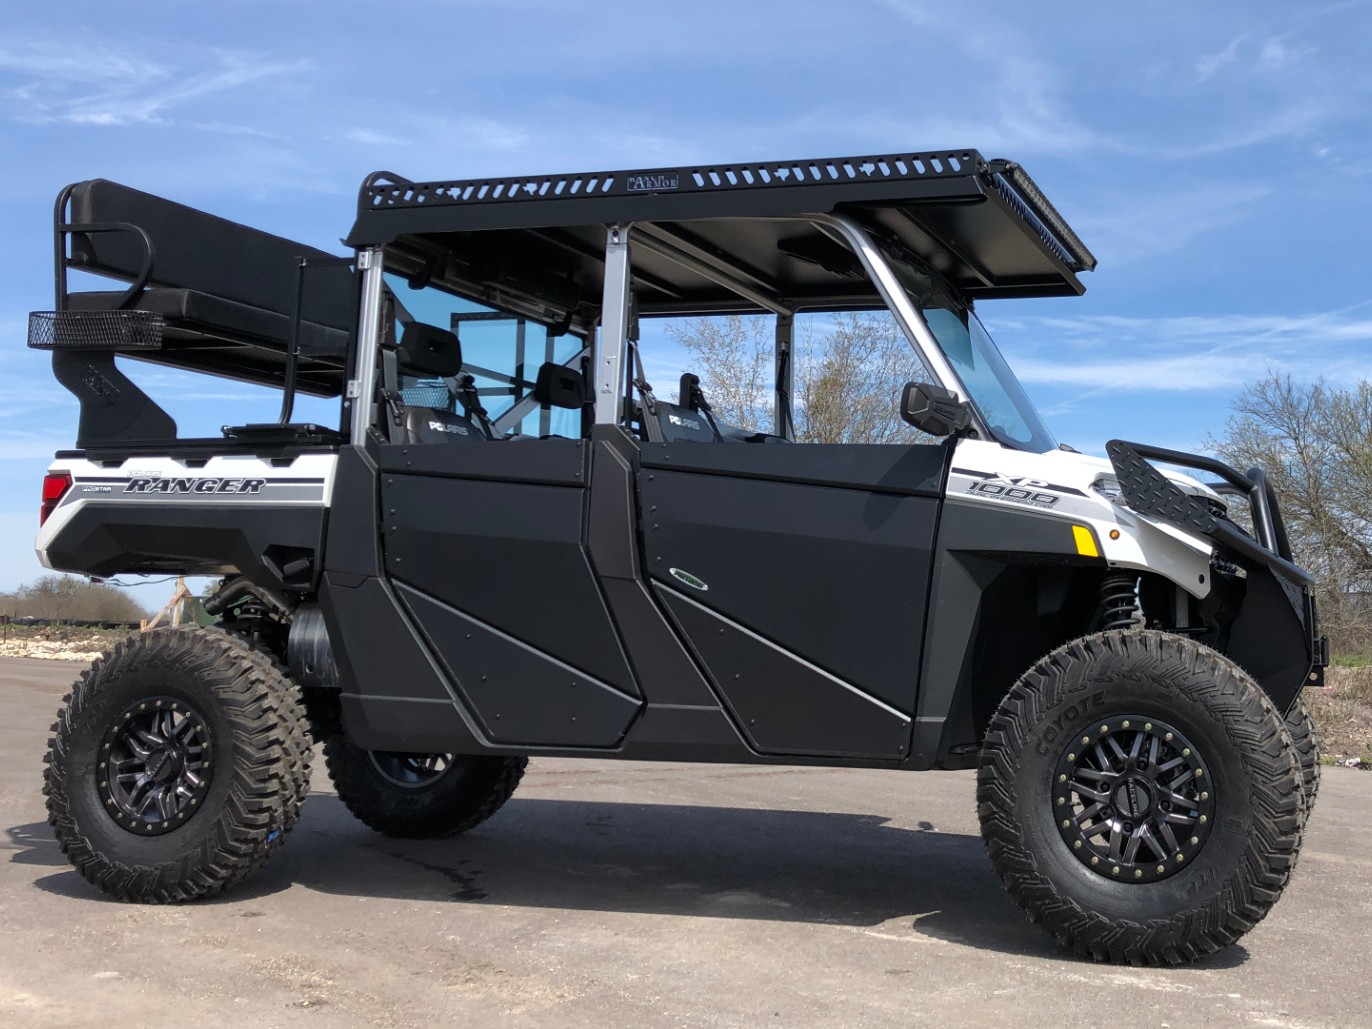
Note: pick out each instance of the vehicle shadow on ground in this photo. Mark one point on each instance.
(772, 865)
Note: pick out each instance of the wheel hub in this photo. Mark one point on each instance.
(409, 771)
(155, 765)
(1133, 799)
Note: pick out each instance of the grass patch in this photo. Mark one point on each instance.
(1343, 712)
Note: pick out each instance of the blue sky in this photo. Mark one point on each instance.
(1216, 157)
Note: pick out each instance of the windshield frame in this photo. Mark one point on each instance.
(878, 262)
(998, 390)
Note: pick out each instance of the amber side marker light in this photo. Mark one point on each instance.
(55, 486)
(1086, 541)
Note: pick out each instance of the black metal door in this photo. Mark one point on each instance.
(799, 575)
(484, 546)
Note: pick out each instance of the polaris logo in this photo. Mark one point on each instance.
(444, 427)
(689, 423)
(161, 485)
(690, 580)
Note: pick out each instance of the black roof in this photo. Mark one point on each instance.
(982, 224)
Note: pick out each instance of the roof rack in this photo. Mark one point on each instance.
(985, 222)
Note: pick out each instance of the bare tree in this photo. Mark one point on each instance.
(65, 597)
(1315, 442)
(848, 376)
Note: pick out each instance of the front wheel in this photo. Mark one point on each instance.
(1140, 798)
(419, 796)
(1301, 725)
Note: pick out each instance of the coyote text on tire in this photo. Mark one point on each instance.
(1169, 782)
(491, 540)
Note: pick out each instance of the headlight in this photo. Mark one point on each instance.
(1109, 487)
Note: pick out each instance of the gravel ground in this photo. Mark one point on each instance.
(647, 895)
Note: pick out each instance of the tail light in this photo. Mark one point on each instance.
(55, 486)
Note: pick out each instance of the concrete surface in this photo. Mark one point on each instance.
(641, 895)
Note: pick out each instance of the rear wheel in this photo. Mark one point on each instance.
(1140, 798)
(420, 795)
(177, 766)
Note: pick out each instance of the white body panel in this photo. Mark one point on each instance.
(229, 479)
(1059, 484)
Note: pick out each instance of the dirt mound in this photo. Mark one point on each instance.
(58, 643)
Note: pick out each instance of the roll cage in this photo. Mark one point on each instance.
(582, 252)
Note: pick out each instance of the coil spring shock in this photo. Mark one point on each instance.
(1119, 603)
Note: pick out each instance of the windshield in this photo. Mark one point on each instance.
(990, 384)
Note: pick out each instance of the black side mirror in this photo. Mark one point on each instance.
(933, 409)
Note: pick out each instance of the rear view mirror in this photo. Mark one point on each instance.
(933, 409)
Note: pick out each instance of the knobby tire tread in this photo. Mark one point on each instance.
(267, 763)
(445, 809)
(1257, 732)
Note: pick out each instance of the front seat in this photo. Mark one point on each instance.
(430, 352)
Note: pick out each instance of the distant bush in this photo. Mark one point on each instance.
(66, 598)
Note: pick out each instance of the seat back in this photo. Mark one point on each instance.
(199, 251)
(427, 350)
(682, 425)
(560, 386)
(434, 425)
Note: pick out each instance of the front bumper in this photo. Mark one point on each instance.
(1271, 627)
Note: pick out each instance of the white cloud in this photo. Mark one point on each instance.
(367, 137)
(80, 82)
(1211, 63)
(1188, 353)
(1124, 228)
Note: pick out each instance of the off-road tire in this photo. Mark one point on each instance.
(1305, 738)
(1242, 864)
(468, 792)
(254, 787)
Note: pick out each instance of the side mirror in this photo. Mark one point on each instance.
(933, 409)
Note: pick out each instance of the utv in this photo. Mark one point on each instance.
(496, 542)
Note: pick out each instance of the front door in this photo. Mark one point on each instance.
(799, 577)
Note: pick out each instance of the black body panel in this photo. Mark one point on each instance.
(775, 554)
(992, 567)
(509, 553)
(394, 696)
(783, 704)
(520, 695)
(913, 470)
(1271, 639)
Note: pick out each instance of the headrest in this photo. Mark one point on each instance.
(429, 350)
(688, 391)
(560, 386)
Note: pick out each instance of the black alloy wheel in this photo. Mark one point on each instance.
(1140, 797)
(1133, 799)
(409, 771)
(155, 765)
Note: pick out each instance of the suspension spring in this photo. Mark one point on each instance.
(1119, 603)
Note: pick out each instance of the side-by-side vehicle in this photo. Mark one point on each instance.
(496, 542)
